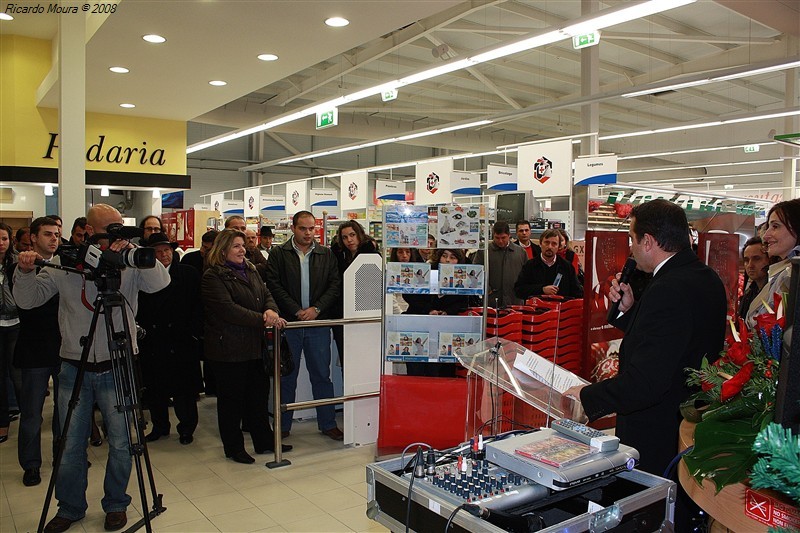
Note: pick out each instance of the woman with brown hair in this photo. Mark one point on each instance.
(238, 307)
(9, 324)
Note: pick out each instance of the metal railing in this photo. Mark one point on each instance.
(279, 407)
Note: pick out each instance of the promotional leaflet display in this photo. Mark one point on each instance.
(458, 226)
(442, 336)
(406, 226)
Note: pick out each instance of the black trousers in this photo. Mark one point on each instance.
(185, 409)
(242, 395)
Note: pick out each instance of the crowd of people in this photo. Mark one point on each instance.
(217, 303)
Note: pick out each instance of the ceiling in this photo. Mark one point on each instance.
(530, 95)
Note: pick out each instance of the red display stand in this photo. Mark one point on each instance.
(421, 409)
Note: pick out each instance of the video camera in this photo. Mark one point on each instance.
(102, 261)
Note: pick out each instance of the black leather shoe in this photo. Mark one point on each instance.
(154, 436)
(186, 439)
(31, 477)
(115, 520)
(241, 457)
(284, 434)
(284, 448)
(335, 433)
(58, 524)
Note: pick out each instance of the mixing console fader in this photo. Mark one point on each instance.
(480, 482)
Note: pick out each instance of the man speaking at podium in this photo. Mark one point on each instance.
(679, 318)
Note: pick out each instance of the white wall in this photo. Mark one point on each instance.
(26, 198)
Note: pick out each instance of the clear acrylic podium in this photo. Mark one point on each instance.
(501, 398)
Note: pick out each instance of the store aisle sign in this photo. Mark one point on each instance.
(501, 178)
(596, 170)
(545, 168)
(324, 197)
(229, 208)
(433, 182)
(390, 190)
(296, 197)
(251, 202)
(272, 202)
(465, 182)
(354, 190)
(216, 201)
(327, 118)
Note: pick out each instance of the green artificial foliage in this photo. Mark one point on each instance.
(778, 464)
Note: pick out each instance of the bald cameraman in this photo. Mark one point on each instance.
(74, 317)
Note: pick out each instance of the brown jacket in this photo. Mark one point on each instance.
(234, 309)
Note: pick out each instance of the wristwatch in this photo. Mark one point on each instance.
(317, 309)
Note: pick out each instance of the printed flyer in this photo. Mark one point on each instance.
(408, 278)
(458, 226)
(461, 279)
(407, 346)
(453, 344)
(406, 226)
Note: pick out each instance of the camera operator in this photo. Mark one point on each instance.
(74, 317)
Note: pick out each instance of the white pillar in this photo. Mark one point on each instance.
(72, 118)
(790, 126)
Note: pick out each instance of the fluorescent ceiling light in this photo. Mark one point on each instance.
(623, 14)
(156, 193)
(104, 191)
(118, 70)
(701, 165)
(48, 190)
(6, 16)
(742, 72)
(746, 118)
(337, 22)
(218, 83)
(127, 106)
(268, 57)
(598, 21)
(690, 151)
(155, 39)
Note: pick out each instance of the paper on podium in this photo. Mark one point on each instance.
(539, 383)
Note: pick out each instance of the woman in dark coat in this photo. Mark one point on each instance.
(237, 307)
(169, 354)
(350, 241)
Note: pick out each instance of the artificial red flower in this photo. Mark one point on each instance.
(732, 387)
(738, 352)
(706, 386)
(767, 321)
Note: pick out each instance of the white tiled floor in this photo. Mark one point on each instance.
(322, 491)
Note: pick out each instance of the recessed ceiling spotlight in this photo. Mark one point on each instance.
(6, 16)
(152, 38)
(128, 106)
(119, 70)
(218, 83)
(337, 22)
(268, 57)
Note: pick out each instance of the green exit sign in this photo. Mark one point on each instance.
(751, 148)
(327, 119)
(389, 94)
(585, 40)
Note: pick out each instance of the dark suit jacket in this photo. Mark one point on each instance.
(535, 276)
(679, 318)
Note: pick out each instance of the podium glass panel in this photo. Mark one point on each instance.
(502, 396)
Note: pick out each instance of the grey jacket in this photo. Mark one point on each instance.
(505, 264)
(74, 318)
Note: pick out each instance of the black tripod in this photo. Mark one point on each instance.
(124, 368)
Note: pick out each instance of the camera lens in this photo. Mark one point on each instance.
(139, 257)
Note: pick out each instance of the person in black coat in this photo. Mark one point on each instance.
(350, 241)
(436, 304)
(540, 275)
(238, 307)
(172, 321)
(679, 318)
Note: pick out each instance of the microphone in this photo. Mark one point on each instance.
(625, 276)
(507, 521)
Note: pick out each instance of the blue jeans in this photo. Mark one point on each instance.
(315, 343)
(31, 403)
(71, 483)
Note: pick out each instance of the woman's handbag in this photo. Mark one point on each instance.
(287, 362)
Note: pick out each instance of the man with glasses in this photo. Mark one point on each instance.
(303, 278)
